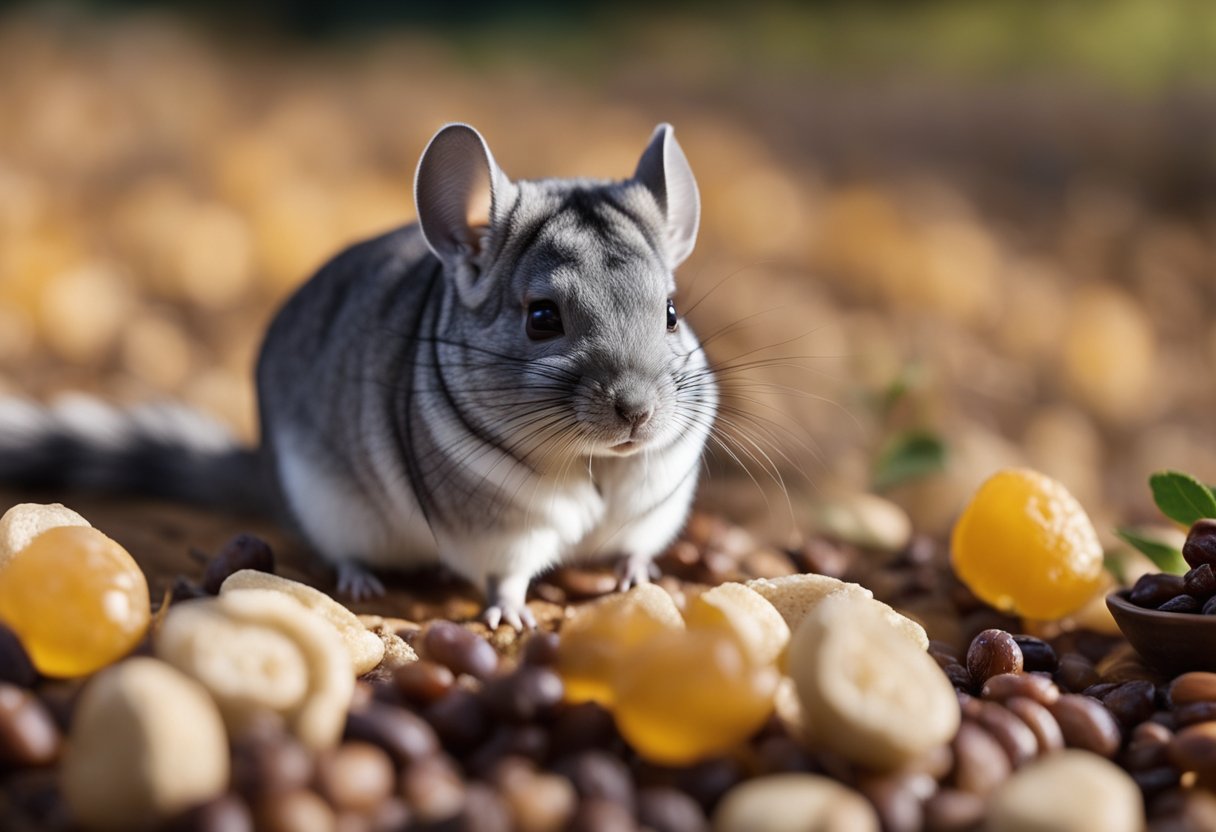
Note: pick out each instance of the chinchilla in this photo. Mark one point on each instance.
(499, 387)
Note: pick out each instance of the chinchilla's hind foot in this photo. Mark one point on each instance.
(634, 571)
(357, 583)
(506, 602)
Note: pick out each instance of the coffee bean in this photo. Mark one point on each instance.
(599, 815)
(581, 727)
(1152, 732)
(991, 653)
(1014, 735)
(538, 802)
(483, 811)
(597, 774)
(460, 719)
(706, 781)
(400, 732)
(1037, 654)
(227, 813)
(459, 649)
(1197, 686)
(1029, 685)
(245, 551)
(580, 583)
(775, 755)
(1194, 713)
(1200, 546)
(1086, 724)
(263, 765)
(1075, 673)
(669, 810)
(1200, 582)
(392, 815)
(896, 802)
(524, 695)
(28, 734)
(1154, 589)
(1154, 781)
(1131, 702)
(1209, 608)
(1100, 690)
(980, 763)
(952, 810)
(1040, 722)
(433, 789)
(422, 682)
(530, 742)
(294, 811)
(959, 676)
(540, 649)
(1181, 603)
(15, 665)
(1194, 749)
(1142, 754)
(355, 776)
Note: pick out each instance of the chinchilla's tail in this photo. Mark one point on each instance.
(159, 450)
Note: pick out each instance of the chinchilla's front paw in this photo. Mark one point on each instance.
(507, 602)
(634, 571)
(357, 583)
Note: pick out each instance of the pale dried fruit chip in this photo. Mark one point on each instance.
(747, 615)
(365, 647)
(867, 692)
(146, 743)
(793, 803)
(258, 650)
(1067, 791)
(25, 521)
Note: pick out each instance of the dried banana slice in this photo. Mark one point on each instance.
(754, 622)
(25, 521)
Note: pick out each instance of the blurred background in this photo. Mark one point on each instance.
(938, 237)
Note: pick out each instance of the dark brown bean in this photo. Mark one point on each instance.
(1197, 686)
(400, 732)
(1154, 781)
(28, 734)
(706, 781)
(1195, 713)
(992, 653)
(460, 719)
(1075, 673)
(1200, 546)
(355, 776)
(1181, 604)
(538, 802)
(581, 727)
(952, 810)
(392, 815)
(598, 774)
(526, 694)
(959, 676)
(1040, 722)
(15, 665)
(895, 800)
(1194, 749)
(1037, 654)
(529, 742)
(1086, 724)
(1100, 690)
(1019, 742)
(483, 810)
(1029, 685)
(1152, 732)
(269, 765)
(599, 815)
(433, 789)
(227, 813)
(1131, 702)
(245, 551)
(294, 811)
(1200, 582)
(459, 649)
(781, 754)
(540, 649)
(422, 682)
(1209, 608)
(670, 810)
(1154, 589)
(980, 764)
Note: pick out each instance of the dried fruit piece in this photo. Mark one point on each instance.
(76, 599)
(365, 647)
(746, 615)
(867, 693)
(146, 742)
(259, 649)
(1068, 790)
(1025, 545)
(25, 521)
(684, 696)
(602, 636)
(793, 803)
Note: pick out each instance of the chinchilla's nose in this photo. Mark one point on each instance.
(634, 405)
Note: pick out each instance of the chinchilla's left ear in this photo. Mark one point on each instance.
(664, 170)
(456, 175)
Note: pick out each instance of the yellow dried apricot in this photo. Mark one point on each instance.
(1024, 545)
(685, 696)
(76, 599)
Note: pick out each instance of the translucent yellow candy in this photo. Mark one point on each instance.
(685, 696)
(1025, 545)
(76, 599)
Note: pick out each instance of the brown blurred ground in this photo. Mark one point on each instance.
(1033, 260)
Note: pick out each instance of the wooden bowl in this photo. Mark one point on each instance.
(1172, 642)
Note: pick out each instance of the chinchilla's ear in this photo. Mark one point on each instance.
(664, 170)
(458, 190)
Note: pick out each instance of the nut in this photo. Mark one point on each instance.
(752, 620)
(1072, 790)
(257, 650)
(146, 742)
(25, 521)
(365, 648)
(867, 692)
(793, 803)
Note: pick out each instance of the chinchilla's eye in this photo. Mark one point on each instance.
(672, 320)
(544, 320)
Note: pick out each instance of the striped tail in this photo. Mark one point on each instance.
(163, 450)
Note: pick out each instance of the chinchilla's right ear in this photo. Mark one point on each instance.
(455, 176)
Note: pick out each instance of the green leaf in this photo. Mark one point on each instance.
(1114, 566)
(908, 456)
(1166, 557)
(1181, 497)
